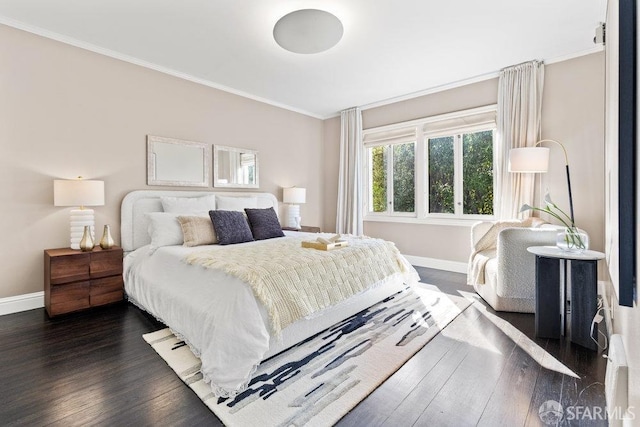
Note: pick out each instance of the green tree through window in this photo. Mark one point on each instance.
(404, 189)
(379, 178)
(476, 196)
(403, 159)
(477, 165)
(441, 176)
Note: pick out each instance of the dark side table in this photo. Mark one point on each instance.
(566, 294)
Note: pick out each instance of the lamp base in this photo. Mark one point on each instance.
(78, 219)
(293, 216)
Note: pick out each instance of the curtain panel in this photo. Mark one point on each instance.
(349, 216)
(519, 120)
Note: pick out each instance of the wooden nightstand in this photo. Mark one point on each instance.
(75, 280)
(303, 228)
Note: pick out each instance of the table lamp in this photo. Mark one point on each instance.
(294, 196)
(79, 193)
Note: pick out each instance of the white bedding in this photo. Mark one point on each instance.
(217, 314)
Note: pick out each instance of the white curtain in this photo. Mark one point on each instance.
(349, 218)
(519, 113)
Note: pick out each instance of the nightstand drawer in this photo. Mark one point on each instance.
(107, 290)
(106, 285)
(69, 268)
(107, 298)
(106, 263)
(71, 297)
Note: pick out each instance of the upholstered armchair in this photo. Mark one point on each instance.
(500, 269)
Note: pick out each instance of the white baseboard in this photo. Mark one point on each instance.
(439, 264)
(21, 303)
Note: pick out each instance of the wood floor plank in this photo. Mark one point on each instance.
(511, 399)
(471, 383)
(578, 392)
(548, 387)
(94, 368)
(412, 406)
(161, 412)
(385, 399)
(380, 405)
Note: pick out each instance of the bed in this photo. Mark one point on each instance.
(223, 318)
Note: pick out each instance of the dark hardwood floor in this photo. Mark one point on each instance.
(94, 368)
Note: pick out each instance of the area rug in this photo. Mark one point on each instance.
(321, 379)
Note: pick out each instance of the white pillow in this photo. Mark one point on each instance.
(164, 229)
(224, 203)
(188, 205)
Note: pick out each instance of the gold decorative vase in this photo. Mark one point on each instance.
(86, 244)
(107, 241)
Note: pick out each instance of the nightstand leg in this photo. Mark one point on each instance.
(584, 302)
(548, 319)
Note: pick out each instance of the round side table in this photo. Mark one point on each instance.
(566, 293)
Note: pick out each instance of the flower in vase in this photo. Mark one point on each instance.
(573, 237)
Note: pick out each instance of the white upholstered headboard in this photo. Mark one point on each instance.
(134, 222)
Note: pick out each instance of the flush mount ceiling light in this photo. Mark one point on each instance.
(308, 31)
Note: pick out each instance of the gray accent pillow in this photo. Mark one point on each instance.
(264, 223)
(231, 227)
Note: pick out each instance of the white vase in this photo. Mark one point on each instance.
(572, 240)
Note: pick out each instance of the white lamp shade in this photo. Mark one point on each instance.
(294, 195)
(78, 192)
(529, 159)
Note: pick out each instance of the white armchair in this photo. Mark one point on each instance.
(500, 269)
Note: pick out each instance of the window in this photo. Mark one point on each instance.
(433, 168)
(392, 172)
(461, 173)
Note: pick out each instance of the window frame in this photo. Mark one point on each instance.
(458, 174)
(389, 212)
(417, 131)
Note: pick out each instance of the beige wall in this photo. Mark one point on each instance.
(460, 98)
(66, 112)
(572, 112)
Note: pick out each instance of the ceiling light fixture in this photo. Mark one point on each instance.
(308, 31)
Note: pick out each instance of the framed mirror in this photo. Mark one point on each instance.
(175, 162)
(235, 167)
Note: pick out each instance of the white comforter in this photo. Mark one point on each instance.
(218, 315)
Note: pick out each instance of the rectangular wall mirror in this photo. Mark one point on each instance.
(235, 167)
(175, 162)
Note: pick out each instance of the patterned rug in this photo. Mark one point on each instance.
(321, 379)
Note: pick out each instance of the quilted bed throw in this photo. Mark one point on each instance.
(294, 282)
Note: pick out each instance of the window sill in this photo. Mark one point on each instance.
(456, 222)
